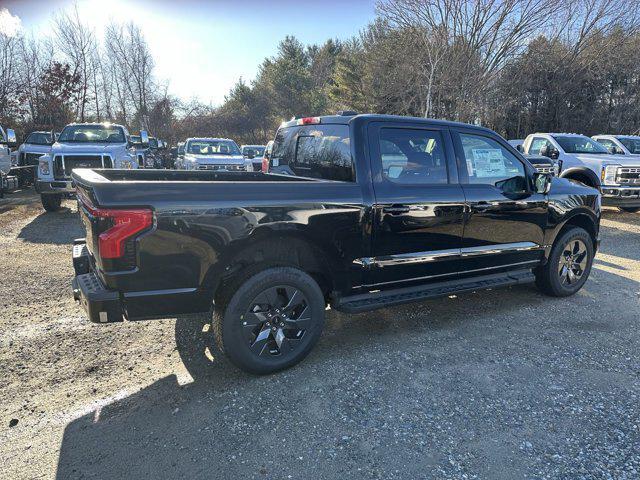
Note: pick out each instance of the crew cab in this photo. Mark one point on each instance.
(82, 145)
(8, 182)
(584, 160)
(35, 145)
(619, 144)
(374, 211)
(221, 154)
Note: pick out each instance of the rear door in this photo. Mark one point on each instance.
(418, 209)
(506, 219)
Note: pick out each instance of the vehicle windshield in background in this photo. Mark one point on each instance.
(580, 144)
(39, 138)
(257, 151)
(212, 147)
(631, 144)
(92, 134)
(153, 142)
(135, 138)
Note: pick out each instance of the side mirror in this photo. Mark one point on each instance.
(144, 138)
(11, 137)
(542, 182)
(520, 148)
(550, 151)
(251, 154)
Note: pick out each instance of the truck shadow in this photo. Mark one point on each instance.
(228, 424)
(58, 228)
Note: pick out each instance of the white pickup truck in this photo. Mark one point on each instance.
(7, 182)
(220, 154)
(83, 145)
(585, 160)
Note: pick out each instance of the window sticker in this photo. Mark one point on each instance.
(488, 162)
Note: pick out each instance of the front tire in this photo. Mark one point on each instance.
(51, 203)
(569, 264)
(270, 320)
(629, 209)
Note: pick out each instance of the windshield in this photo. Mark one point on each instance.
(39, 138)
(92, 134)
(135, 138)
(153, 142)
(212, 147)
(257, 151)
(631, 144)
(580, 144)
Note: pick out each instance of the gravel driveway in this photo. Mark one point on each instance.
(504, 384)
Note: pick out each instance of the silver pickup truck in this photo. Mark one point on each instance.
(83, 145)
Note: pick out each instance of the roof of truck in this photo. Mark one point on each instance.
(214, 139)
(345, 119)
(103, 124)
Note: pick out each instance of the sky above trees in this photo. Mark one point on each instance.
(202, 48)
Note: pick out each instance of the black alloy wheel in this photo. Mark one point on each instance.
(573, 262)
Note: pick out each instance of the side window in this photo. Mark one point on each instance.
(537, 144)
(606, 143)
(489, 163)
(413, 156)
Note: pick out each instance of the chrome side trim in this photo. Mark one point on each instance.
(448, 254)
(500, 248)
(427, 277)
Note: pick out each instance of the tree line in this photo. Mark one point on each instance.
(516, 66)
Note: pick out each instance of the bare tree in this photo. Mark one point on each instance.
(77, 44)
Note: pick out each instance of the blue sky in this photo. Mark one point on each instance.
(203, 48)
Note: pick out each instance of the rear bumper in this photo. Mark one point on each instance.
(47, 187)
(108, 305)
(101, 304)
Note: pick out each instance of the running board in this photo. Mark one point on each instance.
(387, 298)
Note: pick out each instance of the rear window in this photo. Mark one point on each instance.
(318, 151)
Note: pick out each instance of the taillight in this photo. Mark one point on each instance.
(123, 225)
(308, 121)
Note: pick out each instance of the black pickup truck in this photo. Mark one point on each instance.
(367, 211)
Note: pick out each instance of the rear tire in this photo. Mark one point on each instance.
(629, 209)
(569, 264)
(269, 320)
(51, 203)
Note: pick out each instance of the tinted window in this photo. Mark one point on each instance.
(537, 144)
(412, 156)
(319, 151)
(39, 138)
(632, 144)
(490, 163)
(580, 144)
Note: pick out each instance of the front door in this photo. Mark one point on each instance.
(418, 208)
(506, 219)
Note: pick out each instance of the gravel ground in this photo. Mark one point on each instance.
(501, 384)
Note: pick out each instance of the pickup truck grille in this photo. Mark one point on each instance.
(628, 176)
(545, 169)
(29, 158)
(232, 168)
(64, 164)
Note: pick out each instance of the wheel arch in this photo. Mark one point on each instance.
(582, 220)
(281, 246)
(583, 175)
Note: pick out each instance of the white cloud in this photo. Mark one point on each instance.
(9, 24)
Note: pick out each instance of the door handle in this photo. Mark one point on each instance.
(396, 209)
(481, 206)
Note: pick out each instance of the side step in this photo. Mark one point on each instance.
(380, 299)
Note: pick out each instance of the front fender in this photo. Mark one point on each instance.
(580, 171)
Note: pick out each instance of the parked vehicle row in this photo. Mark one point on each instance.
(610, 163)
(8, 182)
(358, 212)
